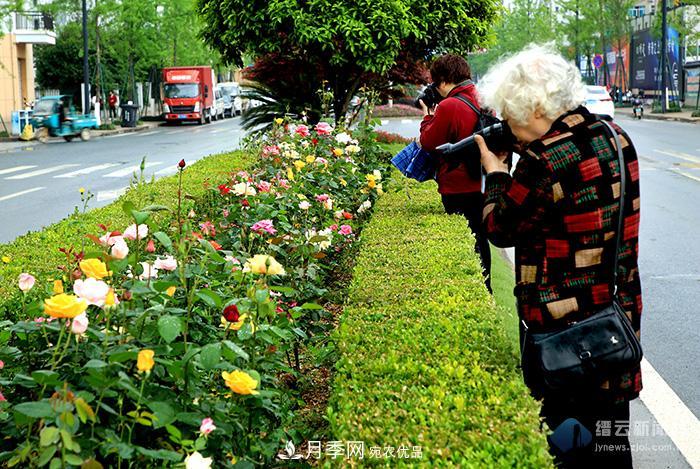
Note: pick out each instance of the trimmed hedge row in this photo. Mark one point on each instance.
(424, 361)
(37, 252)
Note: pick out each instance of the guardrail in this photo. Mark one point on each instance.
(34, 21)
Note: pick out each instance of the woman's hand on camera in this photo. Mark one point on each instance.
(489, 160)
(426, 110)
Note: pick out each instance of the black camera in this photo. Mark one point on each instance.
(498, 138)
(429, 96)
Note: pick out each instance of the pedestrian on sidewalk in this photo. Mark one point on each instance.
(450, 121)
(112, 102)
(560, 210)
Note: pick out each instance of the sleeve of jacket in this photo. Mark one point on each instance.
(436, 129)
(516, 205)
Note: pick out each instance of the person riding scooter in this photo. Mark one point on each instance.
(638, 106)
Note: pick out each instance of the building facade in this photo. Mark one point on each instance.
(18, 34)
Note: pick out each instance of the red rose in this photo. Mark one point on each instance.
(314, 141)
(245, 203)
(347, 216)
(181, 164)
(215, 245)
(224, 189)
(231, 313)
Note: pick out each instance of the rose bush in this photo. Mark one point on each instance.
(167, 343)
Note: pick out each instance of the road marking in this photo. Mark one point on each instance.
(218, 130)
(130, 170)
(678, 171)
(124, 134)
(39, 172)
(408, 121)
(678, 422)
(172, 132)
(109, 195)
(385, 121)
(143, 134)
(675, 276)
(17, 194)
(88, 170)
(15, 169)
(680, 155)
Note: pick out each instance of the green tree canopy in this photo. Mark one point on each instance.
(351, 38)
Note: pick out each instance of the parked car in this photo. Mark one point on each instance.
(598, 101)
(219, 105)
(233, 90)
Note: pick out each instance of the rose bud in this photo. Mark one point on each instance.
(151, 246)
(77, 273)
(231, 313)
(127, 295)
(181, 164)
(245, 203)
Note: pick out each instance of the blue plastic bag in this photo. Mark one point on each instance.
(415, 163)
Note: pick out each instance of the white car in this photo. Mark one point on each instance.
(219, 107)
(232, 89)
(598, 101)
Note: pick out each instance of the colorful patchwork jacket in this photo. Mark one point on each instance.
(560, 210)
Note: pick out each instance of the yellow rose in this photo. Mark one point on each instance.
(144, 361)
(94, 268)
(263, 264)
(236, 325)
(299, 165)
(338, 152)
(290, 174)
(57, 287)
(240, 382)
(171, 290)
(343, 182)
(64, 306)
(279, 121)
(310, 159)
(110, 299)
(6, 259)
(82, 190)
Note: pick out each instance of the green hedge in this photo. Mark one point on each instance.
(424, 357)
(37, 252)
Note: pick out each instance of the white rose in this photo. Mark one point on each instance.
(167, 263)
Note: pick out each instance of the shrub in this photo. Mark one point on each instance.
(390, 138)
(423, 359)
(397, 110)
(696, 113)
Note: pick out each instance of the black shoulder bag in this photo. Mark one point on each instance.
(583, 355)
(483, 119)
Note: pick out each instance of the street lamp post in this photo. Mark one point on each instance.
(86, 69)
(664, 46)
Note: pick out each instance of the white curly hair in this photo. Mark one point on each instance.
(536, 78)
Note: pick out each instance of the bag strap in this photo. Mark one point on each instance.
(620, 220)
(469, 103)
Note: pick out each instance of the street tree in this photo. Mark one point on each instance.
(351, 38)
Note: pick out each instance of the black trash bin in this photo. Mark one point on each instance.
(129, 115)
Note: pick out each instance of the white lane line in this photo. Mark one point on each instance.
(17, 194)
(167, 171)
(679, 423)
(118, 135)
(218, 130)
(15, 169)
(130, 170)
(172, 132)
(143, 134)
(679, 155)
(690, 176)
(88, 170)
(40, 172)
(109, 195)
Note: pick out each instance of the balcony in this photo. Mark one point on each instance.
(33, 28)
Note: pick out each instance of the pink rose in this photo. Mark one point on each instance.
(79, 324)
(345, 230)
(264, 186)
(26, 282)
(119, 249)
(91, 290)
(109, 239)
(149, 271)
(302, 130)
(207, 426)
(333, 227)
(320, 160)
(264, 226)
(208, 228)
(2, 364)
(322, 197)
(284, 184)
(323, 128)
(132, 233)
(2, 398)
(168, 263)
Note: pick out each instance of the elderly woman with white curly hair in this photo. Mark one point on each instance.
(561, 210)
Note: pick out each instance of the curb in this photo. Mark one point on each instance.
(665, 117)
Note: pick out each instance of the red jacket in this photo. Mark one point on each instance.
(453, 120)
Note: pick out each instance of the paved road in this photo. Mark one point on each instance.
(669, 261)
(40, 184)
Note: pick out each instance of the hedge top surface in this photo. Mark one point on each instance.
(425, 361)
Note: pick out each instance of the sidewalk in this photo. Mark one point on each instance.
(684, 116)
(14, 143)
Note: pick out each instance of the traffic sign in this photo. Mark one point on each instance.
(598, 60)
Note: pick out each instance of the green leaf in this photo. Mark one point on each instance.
(163, 239)
(56, 463)
(140, 217)
(210, 356)
(245, 332)
(45, 377)
(169, 327)
(91, 464)
(210, 298)
(164, 413)
(48, 436)
(236, 350)
(95, 363)
(121, 357)
(46, 455)
(128, 207)
(39, 410)
(311, 306)
(74, 459)
(160, 454)
(85, 412)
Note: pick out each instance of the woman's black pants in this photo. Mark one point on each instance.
(471, 205)
(607, 422)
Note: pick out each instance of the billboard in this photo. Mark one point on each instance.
(646, 60)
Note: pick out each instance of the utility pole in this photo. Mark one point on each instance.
(86, 67)
(578, 57)
(664, 46)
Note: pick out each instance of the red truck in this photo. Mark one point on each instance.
(188, 94)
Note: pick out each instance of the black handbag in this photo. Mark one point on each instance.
(581, 356)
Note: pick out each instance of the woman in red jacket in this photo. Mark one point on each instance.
(451, 121)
